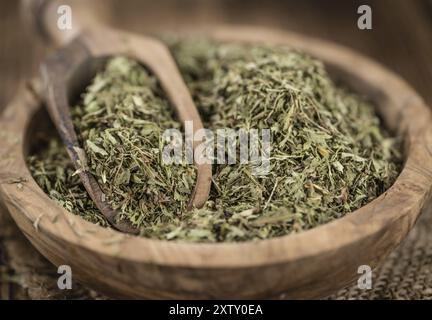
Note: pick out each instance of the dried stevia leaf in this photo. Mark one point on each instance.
(329, 153)
(93, 147)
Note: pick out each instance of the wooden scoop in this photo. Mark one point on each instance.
(68, 69)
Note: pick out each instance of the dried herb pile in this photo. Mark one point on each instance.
(120, 122)
(329, 153)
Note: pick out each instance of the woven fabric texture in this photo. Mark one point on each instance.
(406, 274)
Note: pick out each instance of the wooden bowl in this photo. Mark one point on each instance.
(310, 264)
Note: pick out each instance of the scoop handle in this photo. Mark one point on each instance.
(69, 65)
(103, 42)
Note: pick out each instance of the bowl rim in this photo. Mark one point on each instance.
(405, 110)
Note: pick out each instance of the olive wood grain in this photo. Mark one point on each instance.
(308, 264)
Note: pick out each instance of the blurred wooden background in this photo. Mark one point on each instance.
(401, 39)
